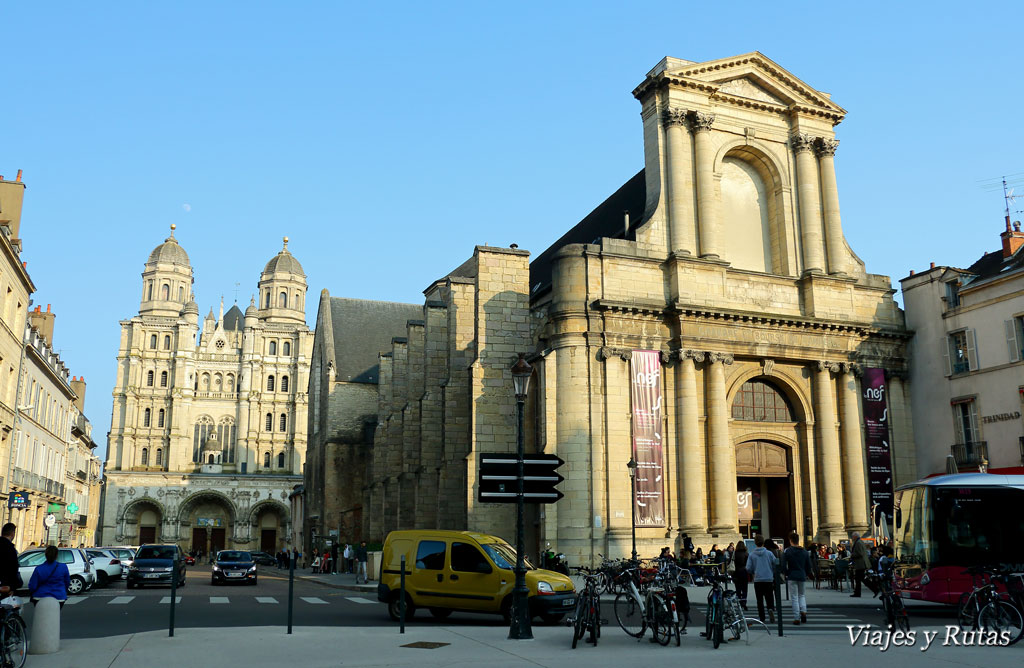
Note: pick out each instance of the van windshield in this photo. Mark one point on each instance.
(504, 556)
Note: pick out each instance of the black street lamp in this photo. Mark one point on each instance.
(519, 628)
(631, 465)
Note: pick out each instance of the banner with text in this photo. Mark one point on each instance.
(876, 439)
(649, 503)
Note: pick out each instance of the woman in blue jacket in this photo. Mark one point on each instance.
(50, 578)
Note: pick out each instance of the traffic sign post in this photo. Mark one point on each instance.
(499, 478)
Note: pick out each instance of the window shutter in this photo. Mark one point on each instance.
(1011, 340)
(946, 345)
(972, 350)
(974, 436)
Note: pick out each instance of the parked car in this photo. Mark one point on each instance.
(190, 560)
(465, 571)
(126, 554)
(107, 565)
(155, 564)
(83, 575)
(264, 558)
(233, 566)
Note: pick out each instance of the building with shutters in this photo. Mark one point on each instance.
(208, 432)
(967, 360)
(728, 281)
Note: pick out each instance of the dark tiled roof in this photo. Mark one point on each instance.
(993, 264)
(604, 221)
(364, 328)
(233, 319)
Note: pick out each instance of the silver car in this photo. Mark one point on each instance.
(83, 573)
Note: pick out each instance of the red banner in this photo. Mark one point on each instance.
(649, 501)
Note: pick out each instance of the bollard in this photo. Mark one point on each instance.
(401, 601)
(174, 589)
(291, 588)
(45, 627)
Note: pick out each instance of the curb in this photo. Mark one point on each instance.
(359, 588)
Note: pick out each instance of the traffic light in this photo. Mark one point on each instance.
(499, 478)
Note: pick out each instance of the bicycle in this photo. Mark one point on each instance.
(895, 612)
(636, 610)
(972, 602)
(587, 616)
(13, 636)
(1003, 615)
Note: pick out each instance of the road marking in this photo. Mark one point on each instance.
(314, 600)
(219, 599)
(356, 599)
(167, 599)
(75, 600)
(121, 600)
(266, 599)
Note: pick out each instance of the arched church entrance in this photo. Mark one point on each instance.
(142, 519)
(209, 517)
(270, 519)
(764, 466)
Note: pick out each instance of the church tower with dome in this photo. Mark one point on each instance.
(208, 430)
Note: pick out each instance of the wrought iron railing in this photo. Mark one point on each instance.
(970, 454)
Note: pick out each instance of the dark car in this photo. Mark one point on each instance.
(155, 564)
(264, 558)
(233, 566)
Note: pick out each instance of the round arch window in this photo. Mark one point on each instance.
(761, 401)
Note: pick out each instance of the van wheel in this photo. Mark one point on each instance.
(440, 613)
(395, 611)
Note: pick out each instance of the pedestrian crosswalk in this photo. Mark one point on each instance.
(212, 600)
(358, 599)
(819, 620)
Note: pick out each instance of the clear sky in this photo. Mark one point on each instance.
(386, 139)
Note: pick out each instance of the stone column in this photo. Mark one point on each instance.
(834, 244)
(853, 453)
(902, 449)
(830, 491)
(810, 206)
(722, 455)
(706, 204)
(680, 177)
(693, 500)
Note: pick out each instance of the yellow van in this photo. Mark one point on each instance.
(465, 571)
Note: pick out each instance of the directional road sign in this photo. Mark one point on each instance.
(499, 478)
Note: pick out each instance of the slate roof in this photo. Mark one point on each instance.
(604, 221)
(233, 319)
(993, 264)
(362, 329)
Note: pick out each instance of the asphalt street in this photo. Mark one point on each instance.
(114, 610)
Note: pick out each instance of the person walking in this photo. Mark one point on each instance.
(740, 576)
(796, 564)
(687, 544)
(348, 558)
(10, 576)
(860, 562)
(361, 557)
(762, 564)
(334, 558)
(50, 579)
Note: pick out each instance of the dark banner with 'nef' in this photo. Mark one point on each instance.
(876, 439)
(649, 503)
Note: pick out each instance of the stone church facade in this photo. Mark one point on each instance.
(208, 432)
(730, 264)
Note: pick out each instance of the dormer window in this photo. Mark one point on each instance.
(952, 294)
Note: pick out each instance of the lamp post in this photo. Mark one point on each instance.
(631, 465)
(519, 628)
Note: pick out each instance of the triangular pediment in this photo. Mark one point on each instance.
(754, 76)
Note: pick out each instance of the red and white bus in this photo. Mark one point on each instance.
(947, 523)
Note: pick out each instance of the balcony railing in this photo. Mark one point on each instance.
(970, 454)
(81, 475)
(961, 367)
(24, 478)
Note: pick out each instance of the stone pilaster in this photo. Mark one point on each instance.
(693, 496)
(707, 208)
(810, 204)
(619, 446)
(830, 492)
(722, 454)
(682, 238)
(853, 452)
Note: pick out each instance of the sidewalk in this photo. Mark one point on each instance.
(315, 647)
(335, 580)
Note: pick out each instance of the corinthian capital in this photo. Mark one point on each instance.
(826, 146)
(696, 355)
(724, 358)
(825, 365)
(608, 352)
(851, 367)
(671, 116)
(801, 142)
(701, 122)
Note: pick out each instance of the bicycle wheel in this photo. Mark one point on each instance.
(718, 630)
(661, 620)
(579, 619)
(899, 613)
(596, 603)
(967, 611)
(15, 641)
(629, 615)
(1001, 616)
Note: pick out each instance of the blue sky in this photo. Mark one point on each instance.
(387, 139)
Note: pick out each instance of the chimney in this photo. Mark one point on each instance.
(1013, 238)
(78, 387)
(43, 322)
